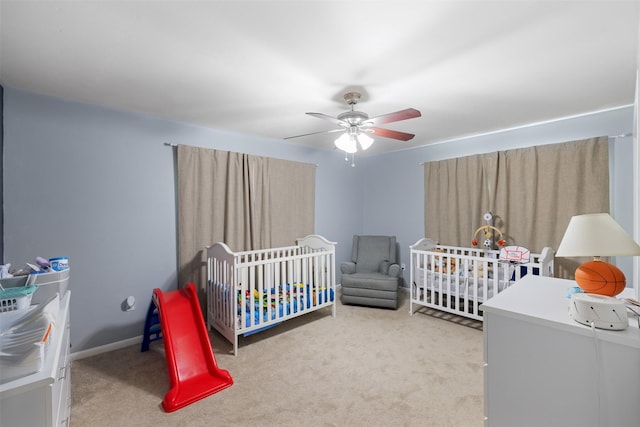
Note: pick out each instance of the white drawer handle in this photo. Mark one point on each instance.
(63, 373)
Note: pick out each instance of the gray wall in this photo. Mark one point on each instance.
(97, 185)
(394, 185)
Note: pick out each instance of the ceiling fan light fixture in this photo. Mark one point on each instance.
(356, 125)
(346, 143)
(364, 140)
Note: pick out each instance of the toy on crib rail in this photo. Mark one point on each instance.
(489, 236)
(488, 240)
(515, 254)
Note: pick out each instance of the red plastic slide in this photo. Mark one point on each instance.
(193, 372)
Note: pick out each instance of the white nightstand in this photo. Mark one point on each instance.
(544, 369)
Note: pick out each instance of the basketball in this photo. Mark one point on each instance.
(599, 277)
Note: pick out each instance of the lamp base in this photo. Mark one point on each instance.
(599, 277)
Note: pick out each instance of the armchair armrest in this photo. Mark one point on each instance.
(394, 270)
(389, 268)
(348, 267)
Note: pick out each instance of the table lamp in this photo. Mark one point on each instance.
(597, 235)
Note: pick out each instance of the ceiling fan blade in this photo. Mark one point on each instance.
(409, 113)
(330, 118)
(314, 133)
(393, 134)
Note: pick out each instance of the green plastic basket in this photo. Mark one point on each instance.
(12, 299)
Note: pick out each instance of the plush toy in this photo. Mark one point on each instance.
(481, 267)
(440, 263)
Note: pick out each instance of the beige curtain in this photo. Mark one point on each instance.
(457, 192)
(248, 202)
(290, 202)
(541, 188)
(533, 192)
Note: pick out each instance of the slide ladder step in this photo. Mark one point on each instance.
(152, 329)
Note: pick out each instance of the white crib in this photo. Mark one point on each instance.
(458, 280)
(253, 290)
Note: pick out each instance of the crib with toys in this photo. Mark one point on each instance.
(459, 279)
(250, 291)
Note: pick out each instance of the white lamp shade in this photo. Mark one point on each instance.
(365, 140)
(595, 235)
(346, 143)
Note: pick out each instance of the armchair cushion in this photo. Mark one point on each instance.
(372, 281)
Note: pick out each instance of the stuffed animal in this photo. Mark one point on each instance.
(440, 262)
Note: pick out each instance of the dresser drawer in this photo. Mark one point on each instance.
(60, 388)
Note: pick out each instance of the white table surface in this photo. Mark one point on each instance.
(543, 300)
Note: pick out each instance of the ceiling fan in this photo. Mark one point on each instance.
(356, 126)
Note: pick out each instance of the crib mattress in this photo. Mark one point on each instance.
(463, 286)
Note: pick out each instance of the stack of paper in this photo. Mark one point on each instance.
(24, 336)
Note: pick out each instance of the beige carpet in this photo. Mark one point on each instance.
(366, 366)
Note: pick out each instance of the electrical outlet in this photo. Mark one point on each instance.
(129, 304)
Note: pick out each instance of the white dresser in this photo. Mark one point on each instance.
(544, 369)
(43, 398)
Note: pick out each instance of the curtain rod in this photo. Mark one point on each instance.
(169, 144)
(624, 135)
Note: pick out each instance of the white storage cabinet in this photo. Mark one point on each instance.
(542, 368)
(43, 398)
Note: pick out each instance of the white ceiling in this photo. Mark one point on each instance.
(256, 67)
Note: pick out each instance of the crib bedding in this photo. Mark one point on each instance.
(278, 303)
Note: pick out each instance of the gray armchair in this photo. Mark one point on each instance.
(373, 276)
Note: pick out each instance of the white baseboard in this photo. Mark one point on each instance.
(106, 348)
